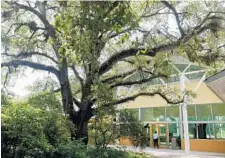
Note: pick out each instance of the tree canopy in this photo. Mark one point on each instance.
(90, 47)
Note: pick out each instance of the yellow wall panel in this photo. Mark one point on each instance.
(126, 141)
(206, 145)
(204, 96)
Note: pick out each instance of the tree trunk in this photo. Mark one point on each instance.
(81, 122)
(82, 131)
(80, 118)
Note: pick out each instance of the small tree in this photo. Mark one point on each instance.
(133, 128)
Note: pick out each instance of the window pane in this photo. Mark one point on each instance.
(201, 131)
(159, 113)
(209, 131)
(191, 112)
(219, 112)
(204, 112)
(172, 113)
(174, 130)
(192, 131)
(147, 114)
(220, 130)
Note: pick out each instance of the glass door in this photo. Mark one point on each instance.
(163, 135)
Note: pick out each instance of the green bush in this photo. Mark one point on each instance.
(32, 132)
(132, 128)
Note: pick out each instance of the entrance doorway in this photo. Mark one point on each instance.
(163, 134)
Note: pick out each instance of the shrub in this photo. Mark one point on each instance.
(32, 132)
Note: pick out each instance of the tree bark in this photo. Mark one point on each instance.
(82, 131)
(80, 118)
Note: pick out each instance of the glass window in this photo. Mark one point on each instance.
(220, 130)
(192, 131)
(181, 67)
(191, 113)
(219, 112)
(201, 131)
(210, 131)
(172, 113)
(204, 112)
(174, 130)
(159, 113)
(147, 114)
(174, 79)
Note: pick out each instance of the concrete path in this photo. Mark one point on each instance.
(169, 153)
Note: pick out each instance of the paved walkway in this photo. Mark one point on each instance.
(169, 153)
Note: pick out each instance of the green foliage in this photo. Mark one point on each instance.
(133, 128)
(30, 131)
(45, 100)
(83, 25)
(82, 30)
(104, 129)
(162, 64)
(101, 128)
(22, 128)
(5, 99)
(103, 93)
(71, 149)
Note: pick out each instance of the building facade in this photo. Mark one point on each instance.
(205, 114)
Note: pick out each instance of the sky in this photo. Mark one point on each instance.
(24, 80)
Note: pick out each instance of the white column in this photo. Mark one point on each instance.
(196, 117)
(139, 114)
(185, 117)
(181, 122)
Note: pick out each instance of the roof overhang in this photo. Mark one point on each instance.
(217, 84)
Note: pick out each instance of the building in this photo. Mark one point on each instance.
(205, 113)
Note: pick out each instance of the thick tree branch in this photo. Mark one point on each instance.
(221, 46)
(176, 16)
(37, 66)
(123, 75)
(129, 83)
(133, 97)
(39, 15)
(19, 25)
(42, 17)
(29, 54)
(208, 17)
(158, 13)
(108, 64)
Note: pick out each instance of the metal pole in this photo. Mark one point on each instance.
(184, 112)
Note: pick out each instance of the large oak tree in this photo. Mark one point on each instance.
(98, 44)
